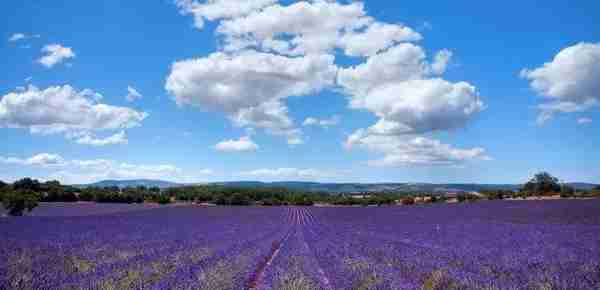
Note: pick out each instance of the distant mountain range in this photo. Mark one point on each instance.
(336, 187)
(132, 183)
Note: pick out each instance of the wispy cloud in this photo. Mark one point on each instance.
(55, 54)
(22, 36)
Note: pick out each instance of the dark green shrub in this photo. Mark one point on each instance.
(239, 199)
(467, 197)
(18, 201)
(163, 199)
(270, 202)
(567, 192)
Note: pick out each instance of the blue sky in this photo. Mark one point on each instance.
(414, 91)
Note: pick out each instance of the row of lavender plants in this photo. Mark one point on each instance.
(488, 245)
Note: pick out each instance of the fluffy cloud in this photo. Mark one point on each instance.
(62, 109)
(265, 51)
(244, 144)
(133, 94)
(412, 150)
(570, 81)
(250, 87)
(219, 9)
(402, 88)
(85, 171)
(400, 63)
(325, 123)
(300, 28)
(375, 38)
(399, 87)
(290, 174)
(55, 54)
(421, 106)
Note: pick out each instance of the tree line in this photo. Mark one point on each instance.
(540, 185)
(25, 194)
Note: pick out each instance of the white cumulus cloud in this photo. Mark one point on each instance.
(219, 9)
(244, 144)
(570, 82)
(375, 38)
(250, 88)
(403, 62)
(269, 51)
(412, 150)
(55, 54)
(300, 28)
(63, 109)
(421, 106)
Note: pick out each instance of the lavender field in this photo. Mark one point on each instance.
(484, 245)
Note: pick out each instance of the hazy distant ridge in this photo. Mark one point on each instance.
(335, 187)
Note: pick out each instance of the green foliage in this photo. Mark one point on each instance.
(567, 192)
(464, 197)
(3, 188)
(542, 184)
(497, 194)
(53, 191)
(27, 184)
(239, 199)
(163, 199)
(270, 202)
(19, 201)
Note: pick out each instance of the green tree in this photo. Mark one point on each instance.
(3, 188)
(567, 191)
(240, 199)
(163, 199)
(18, 201)
(27, 184)
(542, 183)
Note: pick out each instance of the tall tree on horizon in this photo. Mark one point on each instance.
(542, 183)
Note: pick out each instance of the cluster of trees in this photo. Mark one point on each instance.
(115, 194)
(542, 184)
(225, 195)
(271, 196)
(24, 195)
(19, 197)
